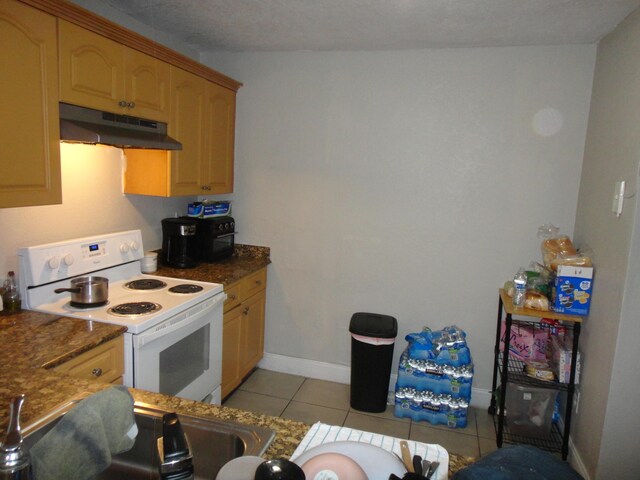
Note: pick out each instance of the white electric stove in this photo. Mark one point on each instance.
(173, 343)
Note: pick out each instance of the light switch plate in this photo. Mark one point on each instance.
(618, 198)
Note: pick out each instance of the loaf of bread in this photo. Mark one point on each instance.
(536, 301)
(556, 247)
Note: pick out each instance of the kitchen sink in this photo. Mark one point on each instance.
(213, 442)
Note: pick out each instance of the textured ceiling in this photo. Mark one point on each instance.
(285, 25)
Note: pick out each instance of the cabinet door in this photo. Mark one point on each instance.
(29, 124)
(231, 334)
(147, 83)
(217, 169)
(252, 348)
(104, 363)
(91, 69)
(188, 93)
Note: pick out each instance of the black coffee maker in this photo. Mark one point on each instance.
(179, 242)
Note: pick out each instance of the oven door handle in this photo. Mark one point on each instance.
(191, 315)
(226, 235)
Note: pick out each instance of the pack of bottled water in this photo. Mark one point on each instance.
(435, 375)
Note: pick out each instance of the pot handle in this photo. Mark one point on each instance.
(72, 290)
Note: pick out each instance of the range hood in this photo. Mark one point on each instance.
(85, 125)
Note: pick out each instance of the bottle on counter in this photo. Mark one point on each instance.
(11, 297)
(520, 288)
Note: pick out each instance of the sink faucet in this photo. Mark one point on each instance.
(15, 463)
(174, 450)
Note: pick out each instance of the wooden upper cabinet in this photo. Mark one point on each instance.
(147, 85)
(188, 102)
(29, 125)
(99, 73)
(221, 115)
(203, 120)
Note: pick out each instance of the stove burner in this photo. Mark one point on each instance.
(134, 308)
(87, 306)
(145, 284)
(186, 288)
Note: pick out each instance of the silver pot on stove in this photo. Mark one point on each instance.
(89, 290)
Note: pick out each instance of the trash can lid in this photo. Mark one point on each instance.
(373, 325)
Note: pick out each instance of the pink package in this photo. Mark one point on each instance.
(527, 342)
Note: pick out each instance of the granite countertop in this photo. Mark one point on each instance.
(33, 343)
(245, 260)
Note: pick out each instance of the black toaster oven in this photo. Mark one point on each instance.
(214, 238)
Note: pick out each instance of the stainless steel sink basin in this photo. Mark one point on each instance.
(214, 442)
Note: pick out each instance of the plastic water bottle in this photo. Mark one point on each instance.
(520, 290)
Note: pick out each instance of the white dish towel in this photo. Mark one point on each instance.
(321, 433)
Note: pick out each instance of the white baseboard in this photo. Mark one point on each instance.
(480, 398)
(575, 460)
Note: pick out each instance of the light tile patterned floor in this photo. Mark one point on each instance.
(309, 400)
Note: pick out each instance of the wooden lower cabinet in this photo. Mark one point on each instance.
(243, 329)
(104, 364)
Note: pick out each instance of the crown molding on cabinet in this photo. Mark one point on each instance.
(113, 31)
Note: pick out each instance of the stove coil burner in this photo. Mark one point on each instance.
(134, 308)
(186, 288)
(145, 284)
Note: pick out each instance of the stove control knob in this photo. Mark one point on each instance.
(68, 259)
(53, 263)
(134, 245)
(124, 247)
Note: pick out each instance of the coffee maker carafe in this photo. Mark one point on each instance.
(179, 242)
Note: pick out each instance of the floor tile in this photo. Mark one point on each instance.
(323, 393)
(304, 412)
(484, 423)
(451, 440)
(257, 403)
(275, 384)
(369, 423)
(388, 414)
(487, 446)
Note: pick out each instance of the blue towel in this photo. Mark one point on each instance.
(522, 462)
(81, 444)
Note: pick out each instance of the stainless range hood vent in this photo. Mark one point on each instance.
(85, 125)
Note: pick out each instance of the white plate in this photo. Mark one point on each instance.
(375, 461)
(240, 467)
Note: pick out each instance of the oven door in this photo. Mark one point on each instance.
(182, 356)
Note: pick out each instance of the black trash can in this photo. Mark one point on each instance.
(372, 340)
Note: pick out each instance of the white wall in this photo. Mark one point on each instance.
(92, 203)
(609, 417)
(407, 183)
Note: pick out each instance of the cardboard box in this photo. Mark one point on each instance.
(572, 290)
(561, 351)
(527, 342)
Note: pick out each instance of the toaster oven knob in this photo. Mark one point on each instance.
(53, 263)
(134, 245)
(124, 247)
(221, 227)
(68, 259)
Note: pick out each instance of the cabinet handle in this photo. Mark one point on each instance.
(232, 297)
(122, 103)
(131, 104)
(258, 282)
(96, 372)
(206, 187)
(245, 311)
